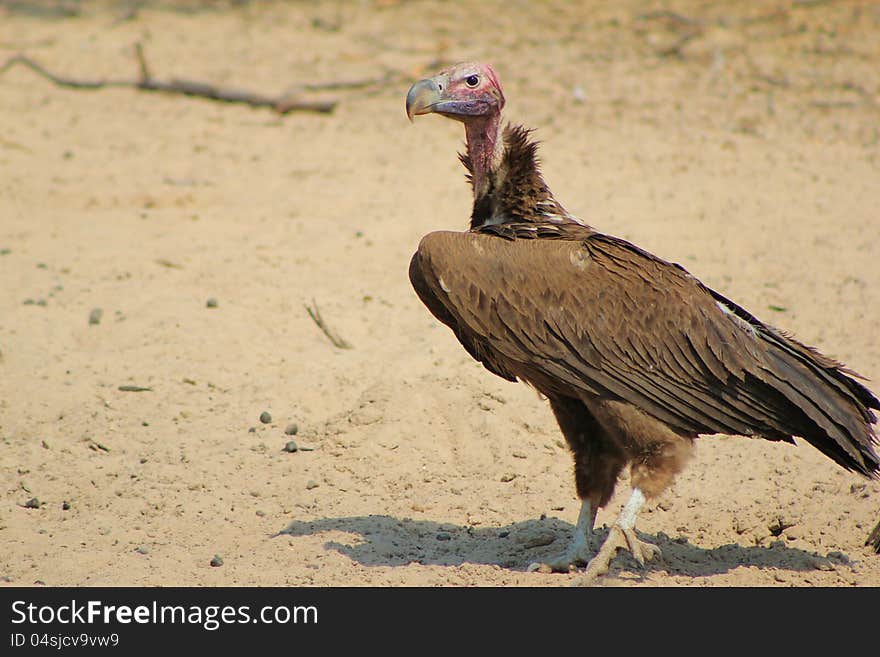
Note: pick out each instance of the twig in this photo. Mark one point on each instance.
(281, 105)
(674, 50)
(666, 14)
(142, 62)
(315, 314)
(57, 79)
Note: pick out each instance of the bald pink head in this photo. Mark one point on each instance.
(462, 92)
(470, 93)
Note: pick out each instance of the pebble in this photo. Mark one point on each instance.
(211, 303)
(291, 446)
(537, 540)
(291, 429)
(444, 536)
(217, 561)
(265, 418)
(65, 506)
(142, 549)
(32, 503)
(312, 484)
(95, 316)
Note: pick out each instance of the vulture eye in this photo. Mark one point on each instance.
(472, 80)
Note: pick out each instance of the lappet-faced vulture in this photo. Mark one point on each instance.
(635, 355)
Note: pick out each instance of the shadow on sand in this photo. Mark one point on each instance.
(388, 541)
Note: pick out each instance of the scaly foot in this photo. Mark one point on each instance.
(578, 552)
(618, 538)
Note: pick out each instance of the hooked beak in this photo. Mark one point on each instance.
(423, 96)
(429, 96)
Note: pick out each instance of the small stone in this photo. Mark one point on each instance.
(820, 564)
(312, 484)
(252, 430)
(261, 514)
(291, 446)
(217, 561)
(32, 503)
(539, 539)
(291, 429)
(95, 316)
(507, 478)
(211, 303)
(265, 418)
(444, 536)
(65, 506)
(142, 549)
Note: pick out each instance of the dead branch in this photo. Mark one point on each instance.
(57, 79)
(674, 50)
(281, 105)
(666, 15)
(315, 314)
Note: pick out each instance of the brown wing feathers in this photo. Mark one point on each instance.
(604, 317)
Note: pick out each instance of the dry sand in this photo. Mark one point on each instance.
(742, 143)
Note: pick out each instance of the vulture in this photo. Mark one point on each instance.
(636, 357)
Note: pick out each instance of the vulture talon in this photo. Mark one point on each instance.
(636, 357)
(578, 552)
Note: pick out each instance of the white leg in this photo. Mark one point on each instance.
(621, 536)
(627, 517)
(578, 552)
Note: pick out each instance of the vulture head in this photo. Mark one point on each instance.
(466, 92)
(470, 93)
(501, 163)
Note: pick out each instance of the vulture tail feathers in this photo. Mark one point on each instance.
(830, 409)
(831, 417)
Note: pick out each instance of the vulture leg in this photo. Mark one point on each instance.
(578, 552)
(597, 463)
(621, 536)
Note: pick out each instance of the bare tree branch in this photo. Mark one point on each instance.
(279, 104)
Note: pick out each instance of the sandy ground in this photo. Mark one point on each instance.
(743, 143)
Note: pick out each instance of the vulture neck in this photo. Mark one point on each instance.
(503, 169)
